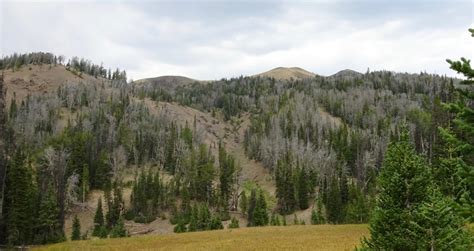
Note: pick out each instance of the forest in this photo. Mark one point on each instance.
(395, 150)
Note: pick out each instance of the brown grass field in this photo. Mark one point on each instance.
(319, 237)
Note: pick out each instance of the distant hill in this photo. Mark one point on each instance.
(287, 73)
(347, 73)
(166, 82)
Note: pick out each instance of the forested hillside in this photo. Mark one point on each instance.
(248, 151)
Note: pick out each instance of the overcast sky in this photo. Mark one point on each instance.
(215, 39)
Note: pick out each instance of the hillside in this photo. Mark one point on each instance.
(41, 79)
(347, 73)
(287, 73)
(166, 82)
(322, 237)
(164, 155)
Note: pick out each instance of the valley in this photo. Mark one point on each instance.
(297, 152)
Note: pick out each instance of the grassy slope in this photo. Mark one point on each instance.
(322, 237)
(287, 73)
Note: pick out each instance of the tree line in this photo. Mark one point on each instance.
(75, 64)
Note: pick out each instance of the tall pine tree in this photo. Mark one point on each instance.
(303, 189)
(20, 192)
(76, 229)
(260, 214)
(459, 163)
(48, 228)
(99, 226)
(404, 183)
(411, 213)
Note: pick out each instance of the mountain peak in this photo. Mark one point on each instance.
(286, 73)
(346, 73)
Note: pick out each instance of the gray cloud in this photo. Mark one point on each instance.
(214, 39)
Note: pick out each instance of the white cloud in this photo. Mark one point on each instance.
(204, 45)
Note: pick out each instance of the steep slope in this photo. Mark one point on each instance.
(214, 130)
(287, 73)
(38, 79)
(42, 79)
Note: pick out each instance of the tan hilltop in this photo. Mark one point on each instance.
(287, 73)
(38, 79)
(167, 81)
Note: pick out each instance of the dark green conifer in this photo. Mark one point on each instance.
(19, 193)
(243, 203)
(260, 212)
(251, 208)
(234, 223)
(118, 230)
(99, 226)
(48, 229)
(404, 184)
(76, 229)
(303, 189)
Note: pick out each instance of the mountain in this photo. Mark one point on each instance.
(347, 73)
(213, 142)
(287, 73)
(167, 82)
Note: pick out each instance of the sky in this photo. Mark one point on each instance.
(221, 39)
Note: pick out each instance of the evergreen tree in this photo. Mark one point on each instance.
(334, 206)
(180, 227)
(285, 188)
(170, 152)
(84, 182)
(243, 203)
(460, 136)
(99, 227)
(226, 175)
(275, 220)
(303, 189)
(260, 214)
(204, 218)
(358, 208)
(438, 226)
(216, 223)
(76, 229)
(48, 229)
(20, 191)
(252, 208)
(404, 184)
(319, 211)
(193, 221)
(102, 171)
(314, 217)
(234, 223)
(118, 230)
(317, 215)
(13, 107)
(115, 206)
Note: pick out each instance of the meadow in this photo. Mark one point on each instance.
(308, 237)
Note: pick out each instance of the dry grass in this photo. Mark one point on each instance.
(39, 79)
(322, 237)
(287, 73)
